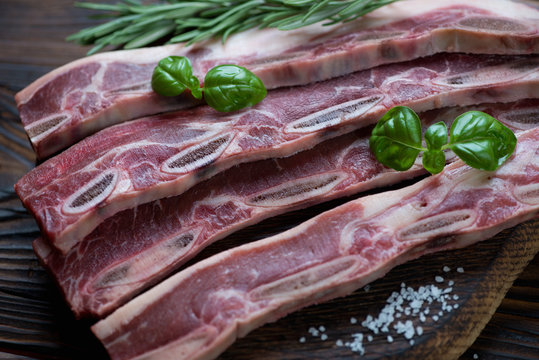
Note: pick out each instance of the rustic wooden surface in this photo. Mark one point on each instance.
(35, 323)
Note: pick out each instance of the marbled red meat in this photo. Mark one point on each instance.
(161, 156)
(89, 94)
(111, 264)
(200, 311)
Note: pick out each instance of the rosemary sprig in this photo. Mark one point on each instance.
(135, 25)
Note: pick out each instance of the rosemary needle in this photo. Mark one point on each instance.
(135, 25)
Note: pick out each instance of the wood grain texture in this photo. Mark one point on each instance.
(35, 322)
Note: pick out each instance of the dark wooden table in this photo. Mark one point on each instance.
(35, 322)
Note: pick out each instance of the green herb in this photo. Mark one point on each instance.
(396, 140)
(226, 87)
(173, 75)
(231, 87)
(136, 25)
(477, 138)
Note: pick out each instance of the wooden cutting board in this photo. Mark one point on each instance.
(35, 322)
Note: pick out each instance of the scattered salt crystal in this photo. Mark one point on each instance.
(302, 339)
(435, 291)
(322, 328)
(367, 288)
(460, 270)
(323, 337)
(313, 331)
(416, 304)
(408, 302)
(357, 344)
(410, 331)
(475, 356)
(339, 342)
(456, 306)
(447, 269)
(407, 311)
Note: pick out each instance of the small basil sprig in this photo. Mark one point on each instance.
(173, 75)
(477, 138)
(226, 87)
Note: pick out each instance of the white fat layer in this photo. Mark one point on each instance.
(295, 191)
(70, 208)
(141, 87)
(484, 76)
(307, 281)
(333, 115)
(197, 154)
(42, 248)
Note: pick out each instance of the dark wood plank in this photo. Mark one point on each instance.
(35, 322)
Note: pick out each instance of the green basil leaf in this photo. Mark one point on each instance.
(481, 141)
(436, 136)
(434, 161)
(396, 138)
(231, 87)
(173, 75)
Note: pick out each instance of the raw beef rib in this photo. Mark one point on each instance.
(152, 158)
(90, 94)
(200, 311)
(137, 247)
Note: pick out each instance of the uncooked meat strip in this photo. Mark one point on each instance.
(161, 156)
(136, 248)
(200, 311)
(89, 94)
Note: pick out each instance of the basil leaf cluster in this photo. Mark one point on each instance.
(226, 87)
(477, 138)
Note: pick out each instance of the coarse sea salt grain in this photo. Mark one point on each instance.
(460, 270)
(408, 304)
(357, 344)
